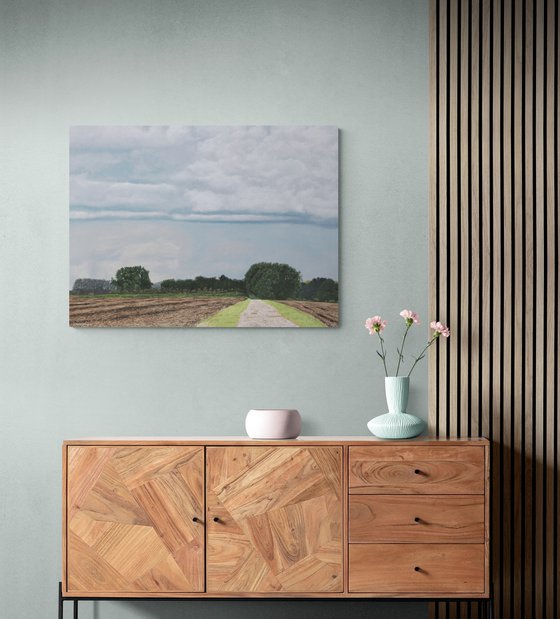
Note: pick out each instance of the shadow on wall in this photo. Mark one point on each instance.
(256, 609)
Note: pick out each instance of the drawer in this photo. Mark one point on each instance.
(440, 518)
(416, 470)
(416, 568)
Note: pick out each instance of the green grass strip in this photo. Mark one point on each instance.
(228, 317)
(301, 319)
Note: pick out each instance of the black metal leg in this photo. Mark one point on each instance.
(486, 605)
(61, 604)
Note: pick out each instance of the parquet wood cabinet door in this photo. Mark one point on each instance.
(274, 519)
(130, 519)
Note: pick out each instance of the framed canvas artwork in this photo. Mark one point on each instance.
(204, 226)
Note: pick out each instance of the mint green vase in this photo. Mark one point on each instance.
(397, 423)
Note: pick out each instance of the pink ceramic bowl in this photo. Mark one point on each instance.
(273, 423)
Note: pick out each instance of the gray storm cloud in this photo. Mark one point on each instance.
(191, 200)
(213, 174)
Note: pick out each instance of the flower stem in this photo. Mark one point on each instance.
(402, 347)
(383, 353)
(421, 355)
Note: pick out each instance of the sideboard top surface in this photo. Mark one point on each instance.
(244, 440)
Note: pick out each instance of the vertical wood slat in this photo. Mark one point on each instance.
(465, 218)
(540, 296)
(494, 246)
(518, 583)
(442, 210)
(474, 272)
(485, 240)
(553, 293)
(551, 52)
(504, 268)
(463, 224)
(527, 305)
(453, 216)
(434, 161)
(556, 140)
(495, 335)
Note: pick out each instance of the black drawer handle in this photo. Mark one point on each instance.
(195, 519)
(417, 569)
(216, 519)
(417, 519)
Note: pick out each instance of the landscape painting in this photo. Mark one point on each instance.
(204, 226)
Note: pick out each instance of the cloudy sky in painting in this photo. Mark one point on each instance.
(186, 201)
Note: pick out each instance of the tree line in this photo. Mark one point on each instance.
(222, 284)
(263, 280)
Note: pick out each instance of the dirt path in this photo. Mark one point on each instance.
(261, 314)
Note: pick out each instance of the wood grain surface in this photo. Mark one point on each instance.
(274, 519)
(416, 470)
(417, 568)
(441, 518)
(130, 521)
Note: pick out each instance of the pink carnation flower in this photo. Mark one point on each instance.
(375, 324)
(439, 328)
(410, 317)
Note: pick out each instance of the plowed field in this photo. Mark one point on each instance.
(325, 312)
(144, 311)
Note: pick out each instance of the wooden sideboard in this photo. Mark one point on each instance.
(312, 517)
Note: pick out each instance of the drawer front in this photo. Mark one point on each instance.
(416, 568)
(451, 519)
(416, 470)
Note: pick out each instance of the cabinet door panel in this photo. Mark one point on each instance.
(279, 515)
(130, 521)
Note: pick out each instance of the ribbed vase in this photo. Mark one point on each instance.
(397, 423)
(396, 393)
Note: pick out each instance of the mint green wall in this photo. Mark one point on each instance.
(359, 65)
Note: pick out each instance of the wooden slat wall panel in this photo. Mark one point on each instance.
(494, 248)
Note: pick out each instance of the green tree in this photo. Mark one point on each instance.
(132, 279)
(252, 276)
(92, 286)
(328, 291)
(309, 289)
(319, 289)
(271, 280)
